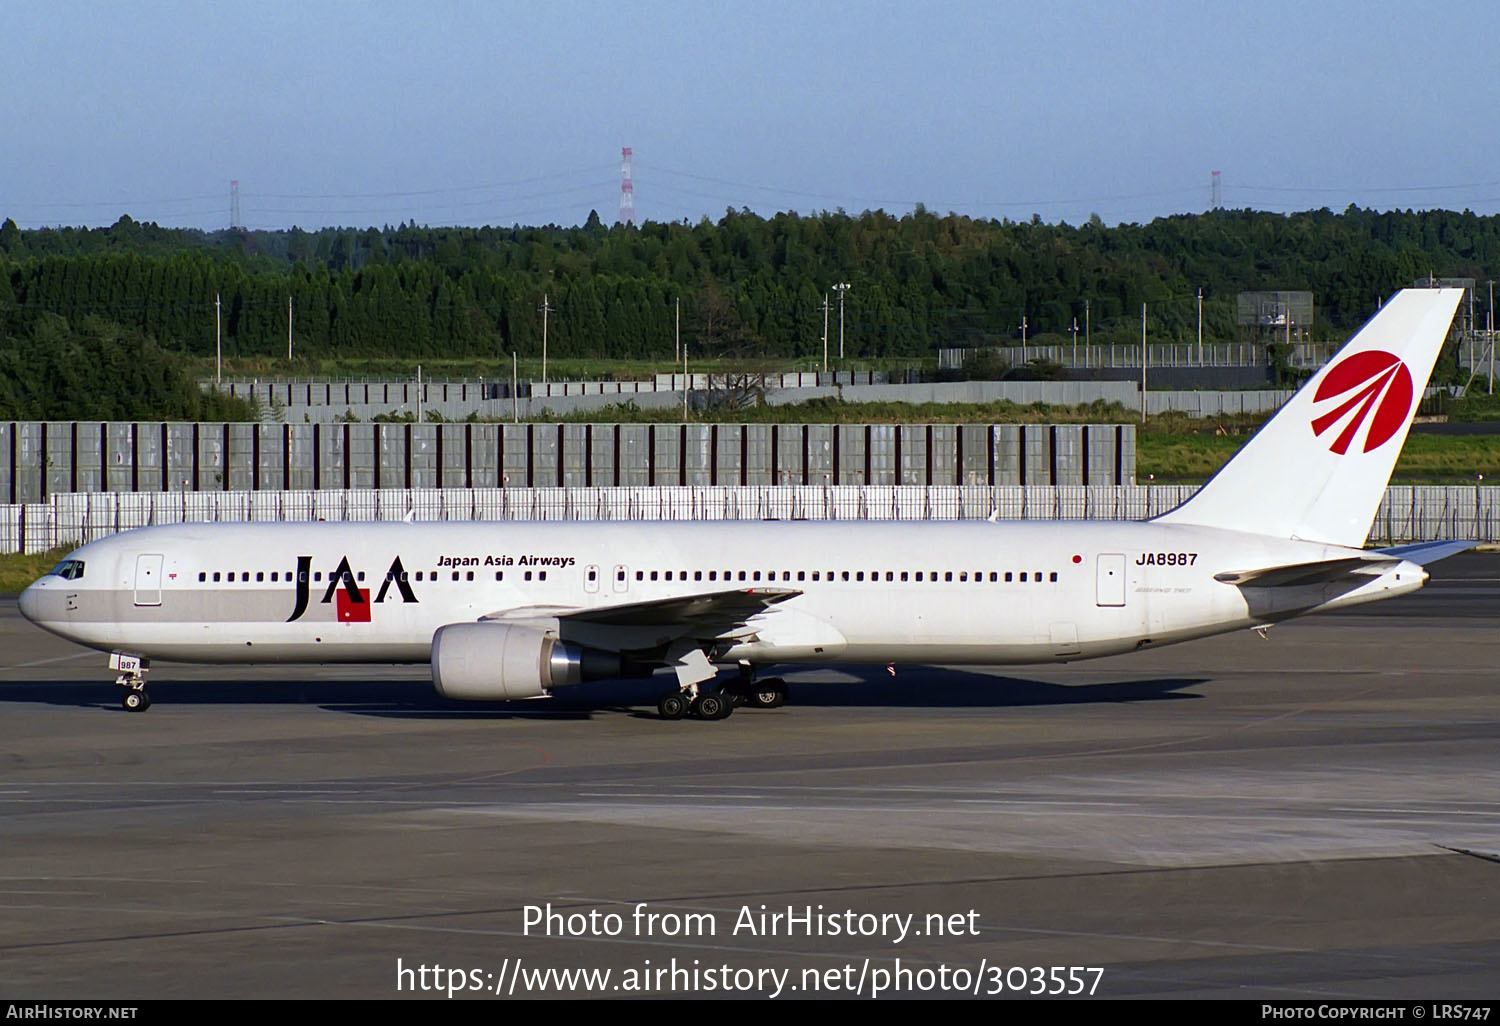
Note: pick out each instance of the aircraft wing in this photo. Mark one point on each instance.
(1323, 571)
(714, 612)
(721, 609)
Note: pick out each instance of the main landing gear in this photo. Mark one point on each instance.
(132, 678)
(717, 704)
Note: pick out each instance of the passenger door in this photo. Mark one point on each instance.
(148, 579)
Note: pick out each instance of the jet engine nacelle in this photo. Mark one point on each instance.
(489, 662)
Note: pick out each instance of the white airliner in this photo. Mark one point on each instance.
(518, 610)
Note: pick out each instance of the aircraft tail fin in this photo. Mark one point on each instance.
(1317, 470)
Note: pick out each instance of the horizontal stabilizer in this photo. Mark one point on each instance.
(1293, 575)
(1423, 553)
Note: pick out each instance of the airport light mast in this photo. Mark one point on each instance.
(841, 288)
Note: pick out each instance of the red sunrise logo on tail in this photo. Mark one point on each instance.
(1377, 387)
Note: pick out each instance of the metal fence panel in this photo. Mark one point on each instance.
(84, 438)
(820, 454)
(7, 468)
(1072, 502)
(698, 452)
(41, 528)
(882, 454)
(242, 446)
(945, 469)
(759, 469)
(912, 439)
(265, 507)
(10, 528)
(483, 442)
(574, 455)
(1067, 453)
(634, 442)
(726, 446)
(851, 449)
(1407, 513)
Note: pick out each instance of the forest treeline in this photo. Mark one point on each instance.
(745, 285)
(98, 370)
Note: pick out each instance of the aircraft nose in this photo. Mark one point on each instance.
(31, 602)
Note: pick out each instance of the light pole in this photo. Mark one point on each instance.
(1143, 363)
(825, 333)
(1200, 327)
(841, 288)
(546, 309)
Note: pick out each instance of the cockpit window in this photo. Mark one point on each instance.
(68, 569)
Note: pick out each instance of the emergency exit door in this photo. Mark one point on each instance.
(1110, 586)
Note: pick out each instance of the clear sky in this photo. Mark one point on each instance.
(467, 112)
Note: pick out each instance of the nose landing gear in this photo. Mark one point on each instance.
(132, 678)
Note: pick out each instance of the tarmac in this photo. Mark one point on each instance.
(1311, 816)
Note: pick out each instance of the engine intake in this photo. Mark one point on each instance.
(489, 662)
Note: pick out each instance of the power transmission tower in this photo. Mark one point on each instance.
(627, 189)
